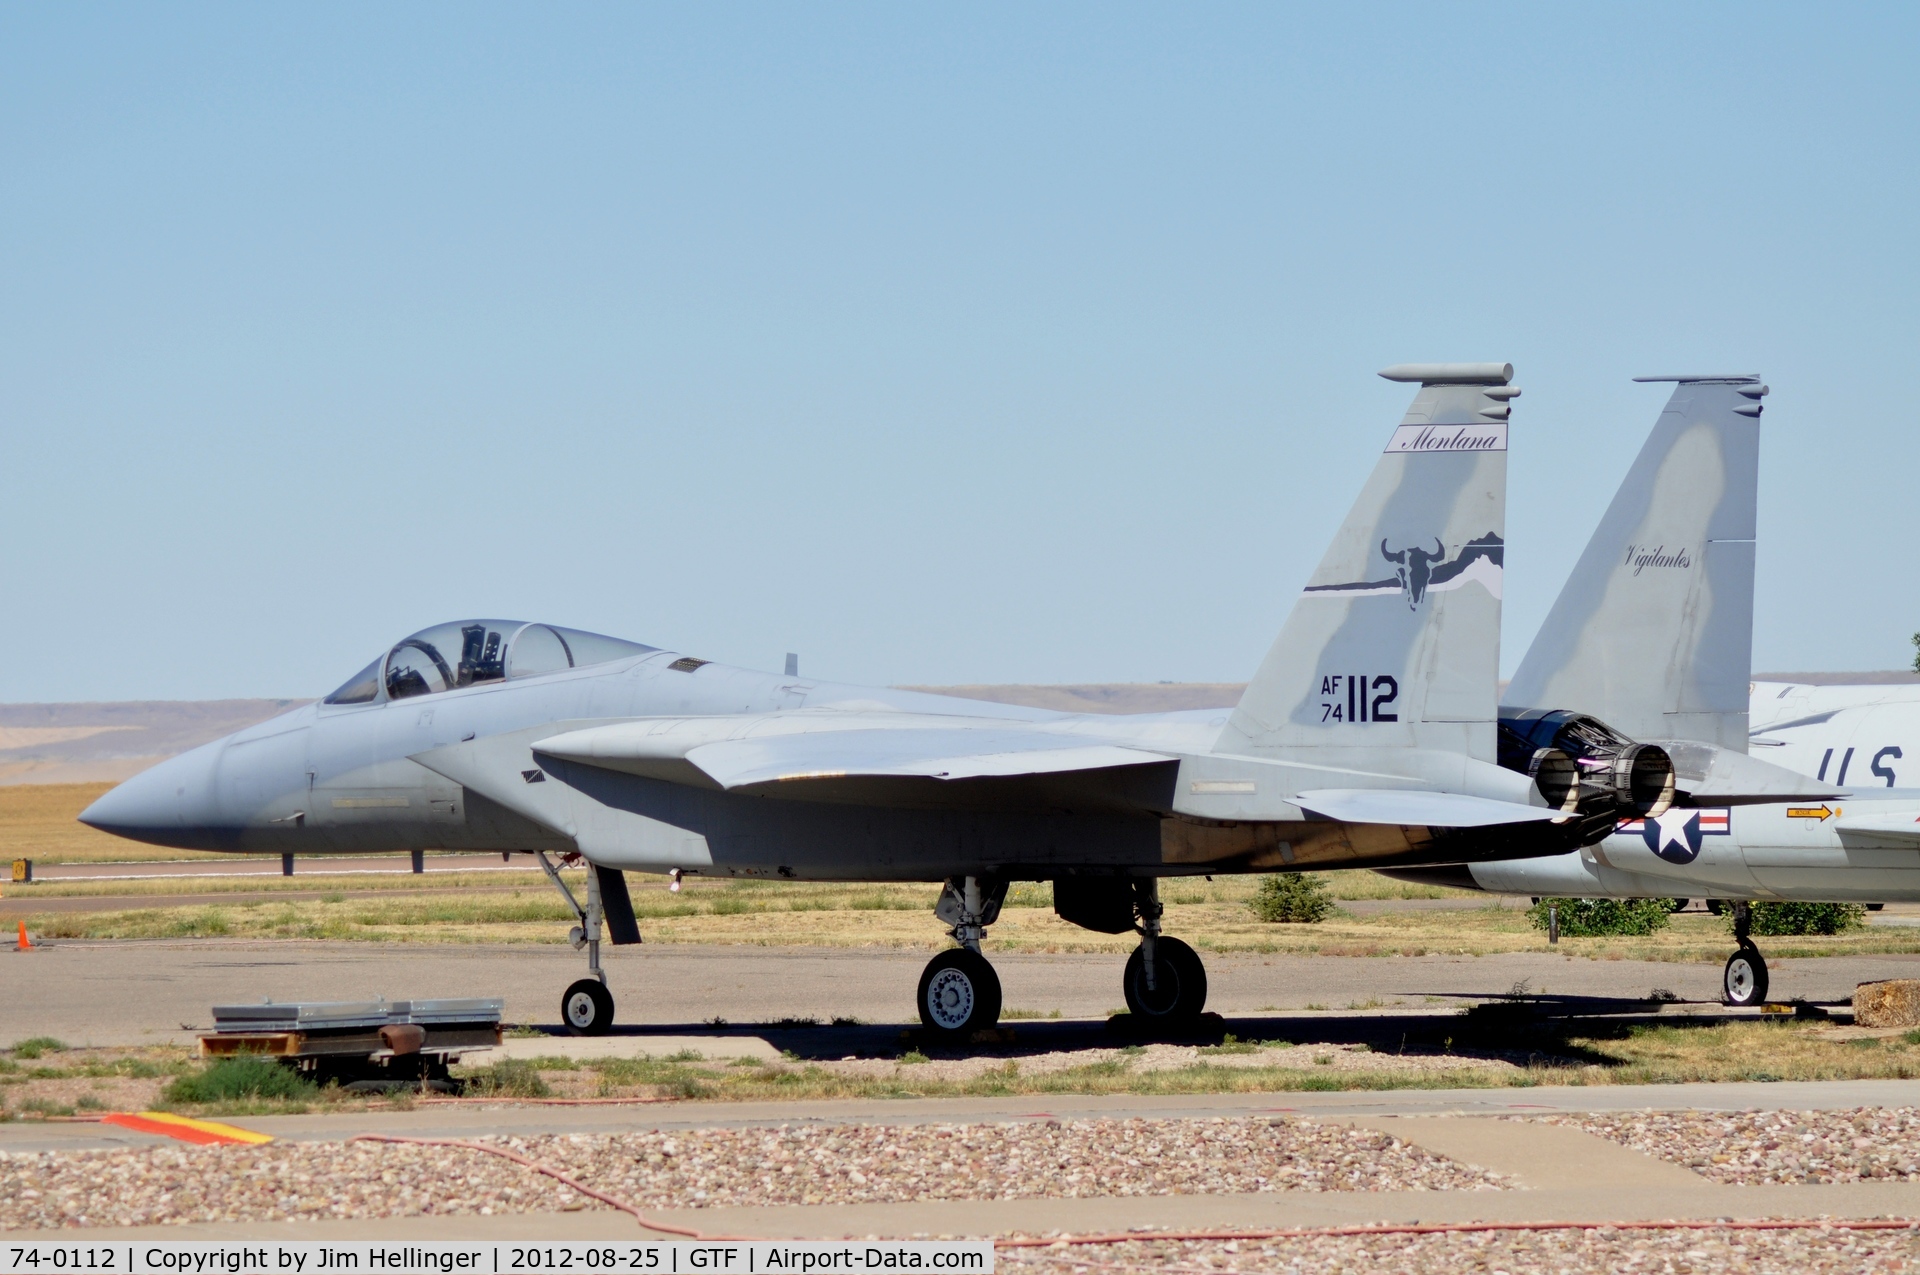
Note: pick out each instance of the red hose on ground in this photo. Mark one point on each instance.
(559, 1175)
(1131, 1237)
(1438, 1228)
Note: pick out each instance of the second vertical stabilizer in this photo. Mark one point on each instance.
(1653, 631)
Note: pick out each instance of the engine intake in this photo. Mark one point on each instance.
(1585, 768)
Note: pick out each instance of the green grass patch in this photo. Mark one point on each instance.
(238, 1079)
(1805, 918)
(38, 1046)
(1595, 918)
(1292, 898)
(509, 1078)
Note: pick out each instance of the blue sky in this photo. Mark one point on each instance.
(938, 344)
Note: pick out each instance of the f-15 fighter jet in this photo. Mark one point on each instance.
(1369, 737)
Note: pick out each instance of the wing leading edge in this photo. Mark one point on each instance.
(925, 752)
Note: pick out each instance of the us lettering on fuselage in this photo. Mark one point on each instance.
(1878, 767)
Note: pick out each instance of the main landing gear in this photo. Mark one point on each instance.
(959, 992)
(1165, 983)
(586, 1007)
(1744, 981)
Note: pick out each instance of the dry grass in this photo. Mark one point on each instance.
(38, 822)
(1682, 1052)
(344, 882)
(1213, 916)
(1459, 1054)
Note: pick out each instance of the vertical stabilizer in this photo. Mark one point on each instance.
(1395, 643)
(1653, 631)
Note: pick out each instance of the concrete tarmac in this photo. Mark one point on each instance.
(89, 992)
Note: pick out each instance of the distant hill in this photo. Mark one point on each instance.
(1879, 677)
(1103, 697)
(96, 743)
(99, 743)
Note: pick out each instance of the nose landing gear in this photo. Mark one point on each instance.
(959, 991)
(1744, 981)
(587, 1006)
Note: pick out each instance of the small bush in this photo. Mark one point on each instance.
(1292, 898)
(231, 1079)
(1806, 918)
(508, 1078)
(35, 1046)
(1593, 918)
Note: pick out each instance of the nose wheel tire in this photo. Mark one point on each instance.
(1179, 990)
(1744, 982)
(587, 1008)
(959, 994)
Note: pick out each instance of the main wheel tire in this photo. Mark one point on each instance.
(1744, 981)
(959, 994)
(587, 1008)
(1179, 990)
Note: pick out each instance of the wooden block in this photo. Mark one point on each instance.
(1893, 1003)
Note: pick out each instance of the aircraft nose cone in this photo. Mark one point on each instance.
(173, 804)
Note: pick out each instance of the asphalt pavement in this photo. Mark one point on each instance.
(161, 991)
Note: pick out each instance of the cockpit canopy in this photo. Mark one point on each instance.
(469, 652)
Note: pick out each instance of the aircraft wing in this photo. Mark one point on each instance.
(1413, 807)
(1902, 824)
(1711, 776)
(927, 752)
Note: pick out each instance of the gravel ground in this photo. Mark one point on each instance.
(1777, 1147)
(809, 1165)
(1604, 1252)
(1150, 1058)
(1073, 1158)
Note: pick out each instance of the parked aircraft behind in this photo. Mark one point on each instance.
(1368, 737)
(1653, 631)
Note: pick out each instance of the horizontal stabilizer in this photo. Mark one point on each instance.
(957, 753)
(1711, 776)
(1415, 808)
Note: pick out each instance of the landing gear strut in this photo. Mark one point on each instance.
(587, 1005)
(1165, 982)
(959, 992)
(1744, 981)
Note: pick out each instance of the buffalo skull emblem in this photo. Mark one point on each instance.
(1414, 566)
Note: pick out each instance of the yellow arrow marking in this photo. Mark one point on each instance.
(1821, 812)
